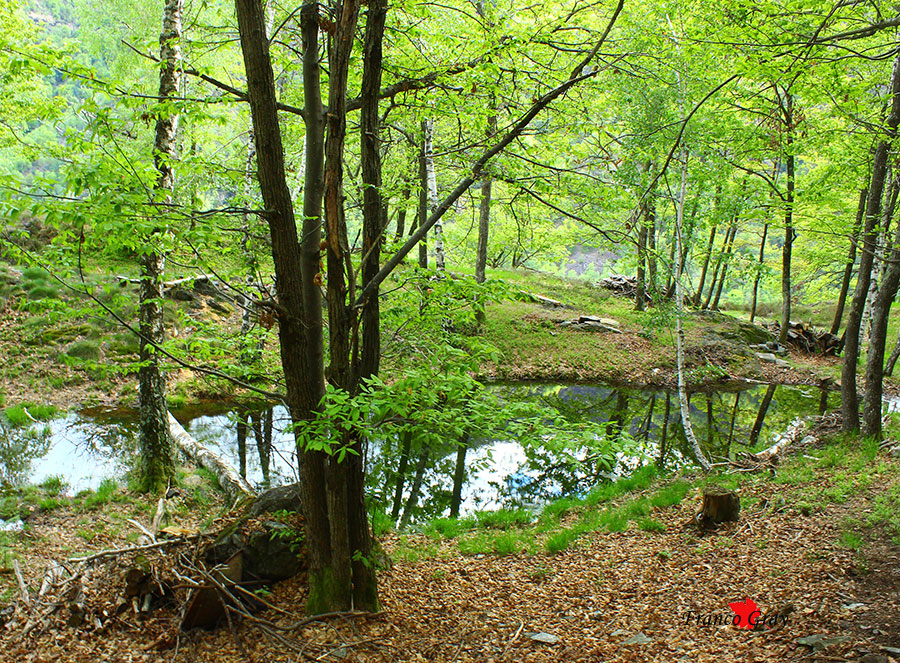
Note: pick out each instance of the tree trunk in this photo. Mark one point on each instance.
(157, 464)
(413, 498)
(651, 246)
(761, 415)
(459, 473)
(849, 397)
(679, 323)
(759, 268)
(895, 354)
(715, 275)
(234, 485)
(719, 506)
(374, 225)
(640, 292)
(725, 260)
(881, 309)
(297, 274)
(241, 430)
(431, 182)
(851, 260)
(401, 476)
(787, 108)
(709, 249)
(665, 432)
(423, 201)
(401, 212)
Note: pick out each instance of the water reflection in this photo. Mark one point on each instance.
(411, 479)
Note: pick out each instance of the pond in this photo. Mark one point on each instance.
(410, 481)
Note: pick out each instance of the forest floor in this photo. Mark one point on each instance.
(817, 543)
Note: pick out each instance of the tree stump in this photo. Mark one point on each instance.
(719, 505)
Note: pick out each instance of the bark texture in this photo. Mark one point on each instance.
(157, 462)
(849, 396)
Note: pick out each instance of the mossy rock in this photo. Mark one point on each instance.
(86, 349)
(731, 329)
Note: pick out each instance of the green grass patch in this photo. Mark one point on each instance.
(670, 495)
(54, 485)
(105, 493)
(851, 540)
(25, 414)
(651, 525)
(504, 518)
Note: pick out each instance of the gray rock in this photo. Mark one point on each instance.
(280, 498)
(638, 639)
(819, 641)
(545, 638)
(767, 357)
(273, 554)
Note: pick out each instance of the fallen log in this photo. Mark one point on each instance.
(543, 301)
(234, 485)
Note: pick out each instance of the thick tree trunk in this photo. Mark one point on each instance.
(374, 225)
(787, 108)
(297, 274)
(759, 268)
(851, 260)
(344, 477)
(157, 464)
(849, 397)
(881, 308)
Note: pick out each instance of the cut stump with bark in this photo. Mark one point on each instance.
(719, 506)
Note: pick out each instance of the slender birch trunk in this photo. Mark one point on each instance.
(157, 458)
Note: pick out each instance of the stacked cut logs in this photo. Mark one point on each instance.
(625, 286)
(810, 340)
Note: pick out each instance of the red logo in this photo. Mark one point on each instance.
(747, 613)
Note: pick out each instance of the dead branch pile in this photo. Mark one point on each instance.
(174, 582)
(624, 286)
(809, 339)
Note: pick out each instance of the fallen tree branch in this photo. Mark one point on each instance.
(234, 485)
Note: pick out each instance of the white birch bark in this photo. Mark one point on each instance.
(156, 462)
(431, 179)
(679, 293)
